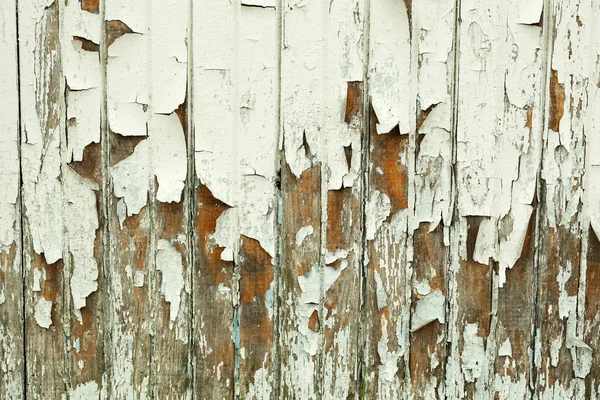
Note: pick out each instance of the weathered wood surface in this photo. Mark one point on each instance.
(263, 199)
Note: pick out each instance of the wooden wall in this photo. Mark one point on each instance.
(299, 199)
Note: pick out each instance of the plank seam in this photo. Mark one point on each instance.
(106, 201)
(454, 191)
(190, 198)
(547, 49)
(278, 229)
(20, 205)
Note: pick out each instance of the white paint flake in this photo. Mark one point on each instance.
(473, 355)
(169, 156)
(138, 279)
(82, 72)
(314, 97)
(428, 309)
(169, 262)
(303, 233)
(42, 313)
(389, 64)
(433, 173)
(85, 391)
(131, 179)
(505, 349)
(377, 211)
(38, 276)
(81, 220)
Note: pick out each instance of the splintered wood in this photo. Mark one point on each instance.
(299, 199)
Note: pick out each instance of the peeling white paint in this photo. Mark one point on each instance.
(169, 262)
(377, 211)
(262, 386)
(9, 126)
(428, 309)
(131, 180)
(38, 276)
(85, 391)
(473, 356)
(10, 363)
(433, 173)
(500, 103)
(82, 72)
(389, 64)
(303, 233)
(505, 349)
(40, 130)
(389, 358)
(169, 156)
(138, 279)
(81, 220)
(42, 313)
(235, 120)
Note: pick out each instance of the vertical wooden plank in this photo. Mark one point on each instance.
(387, 213)
(497, 146)
(41, 130)
(435, 24)
(146, 86)
(524, 57)
(299, 313)
(257, 102)
(213, 308)
(342, 131)
(588, 357)
(12, 354)
(213, 280)
(562, 231)
(131, 260)
(235, 97)
(82, 181)
(167, 128)
(322, 91)
(479, 85)
(302, 114)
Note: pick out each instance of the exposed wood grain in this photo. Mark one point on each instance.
(256, 368)
(515, 318)
(428, 344)
(498, 107)
(470, 294)
(588, 329)
(12, 352)
(299, 289)
(342, 300)
(308, 200)
(303, 199)
(213, 282)
(387, 300)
